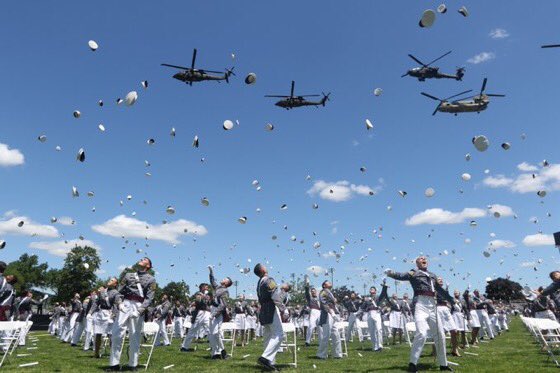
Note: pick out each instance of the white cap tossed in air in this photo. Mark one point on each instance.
(481, 143)
(228, 124)
(466, 177)
(428, 18)
(369, 125)
(92, 44)
(131, 98)
(429, 192)
(251, 78)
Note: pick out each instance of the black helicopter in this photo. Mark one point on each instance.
(291, 101)
(191, 75)
(427, 72)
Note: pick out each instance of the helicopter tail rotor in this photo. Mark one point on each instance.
(460, 73)
(229, 72)
(325, 98)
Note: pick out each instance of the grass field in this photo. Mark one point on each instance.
(514, 351)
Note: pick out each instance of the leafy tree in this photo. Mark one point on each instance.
(340, 292)
(504, 289)
(74, 277)
(29, 272)
(176, 290)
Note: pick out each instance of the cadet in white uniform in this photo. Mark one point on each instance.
(425, 286)
(329, 316)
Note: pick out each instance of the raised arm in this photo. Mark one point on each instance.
(307, 293)
(222, 303)
(213, 282)
(401, 276)
(383, 296)
(551, 289)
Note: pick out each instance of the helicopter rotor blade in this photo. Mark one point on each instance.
(417, 60)
(494, 95)
(276, 96)
(402, 76)
(210, 71)
(193, 58)
(308, 96)
(458, 94)
(430, 96)
(436, 110)
(292, 90)
(175, 66)
(550, 46)
(483, 85)
(439, 58)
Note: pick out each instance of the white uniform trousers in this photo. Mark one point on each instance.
(53, 325)
(201, 323)
(89, 332)
(162, 333)
(375, 329)
(353, 325)
(314, 316)
(273, 335)
(178, 331)
(485, 322)
(69, 327)
(127, 318)
(502, 320)
(330, 331)
(79, 327)
(215, 336)
(61, 326)
(425, 319)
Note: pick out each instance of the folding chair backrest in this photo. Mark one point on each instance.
(150, 328)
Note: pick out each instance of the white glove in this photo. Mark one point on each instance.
(121, 307)
(134, 314)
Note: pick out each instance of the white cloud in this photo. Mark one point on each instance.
(316, 270)
(499, 244)
(340, 191)
(546, 178)
(440, 216)
(329, 254)
(498, 33)
(527, 167)
(504, 211)
(10, 157)
(122, 225)
(539, 239)
(498, 181)
(29, 228)
(66, 220)
(528, 264)
(481, 57)
(61, 248)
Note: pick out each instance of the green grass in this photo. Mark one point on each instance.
(514, 351)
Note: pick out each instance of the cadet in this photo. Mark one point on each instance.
(219, 312)
(459, 311)
(179, 314)
(75, 311)
(137, 290)
(352, 305)
(372, 306)
(396, 318)
(7, 296)
(481, 311)
(329, 316)
(314, 312)
(240, 309)
(424, 284)
(269, 317)
(160, 315)
(104, 312)
(80, 324)
(90, 310)
(200, 318)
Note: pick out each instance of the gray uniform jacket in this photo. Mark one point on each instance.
(23, 307)
(422, 282)
(312, 302)
(7, 296)
(352, 306)
(328, 305)
(265, 289)
(139, 286)
(76, 306)
(179, 311)
(551, 289)
(162, 310)
(221, 294)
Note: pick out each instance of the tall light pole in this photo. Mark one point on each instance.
(236, 283)
(332, 275)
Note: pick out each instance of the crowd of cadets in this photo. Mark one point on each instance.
(111, 310)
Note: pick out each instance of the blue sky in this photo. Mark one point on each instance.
(348, 49)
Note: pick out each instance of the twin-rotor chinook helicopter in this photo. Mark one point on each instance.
(191, 75)
(291, 101)
(470, 104)
(431, 72)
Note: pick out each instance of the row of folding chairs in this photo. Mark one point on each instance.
(547, 333)
(11, 332)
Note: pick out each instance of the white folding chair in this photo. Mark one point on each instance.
(228, 331)
(150, 332)
(342, 326)
(290, 331)
(363, 326)
(10, 331)
(410, 328)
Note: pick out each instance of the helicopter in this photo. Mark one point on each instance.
(291, 101)
(471, 104)
(427, 72)
(191, 75)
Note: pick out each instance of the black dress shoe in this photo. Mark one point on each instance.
(224, 355)
(113, 368)
(216, 357)
(131, 369)
(307, 344)
(412, 368)
(446, 367)
(267, 364)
